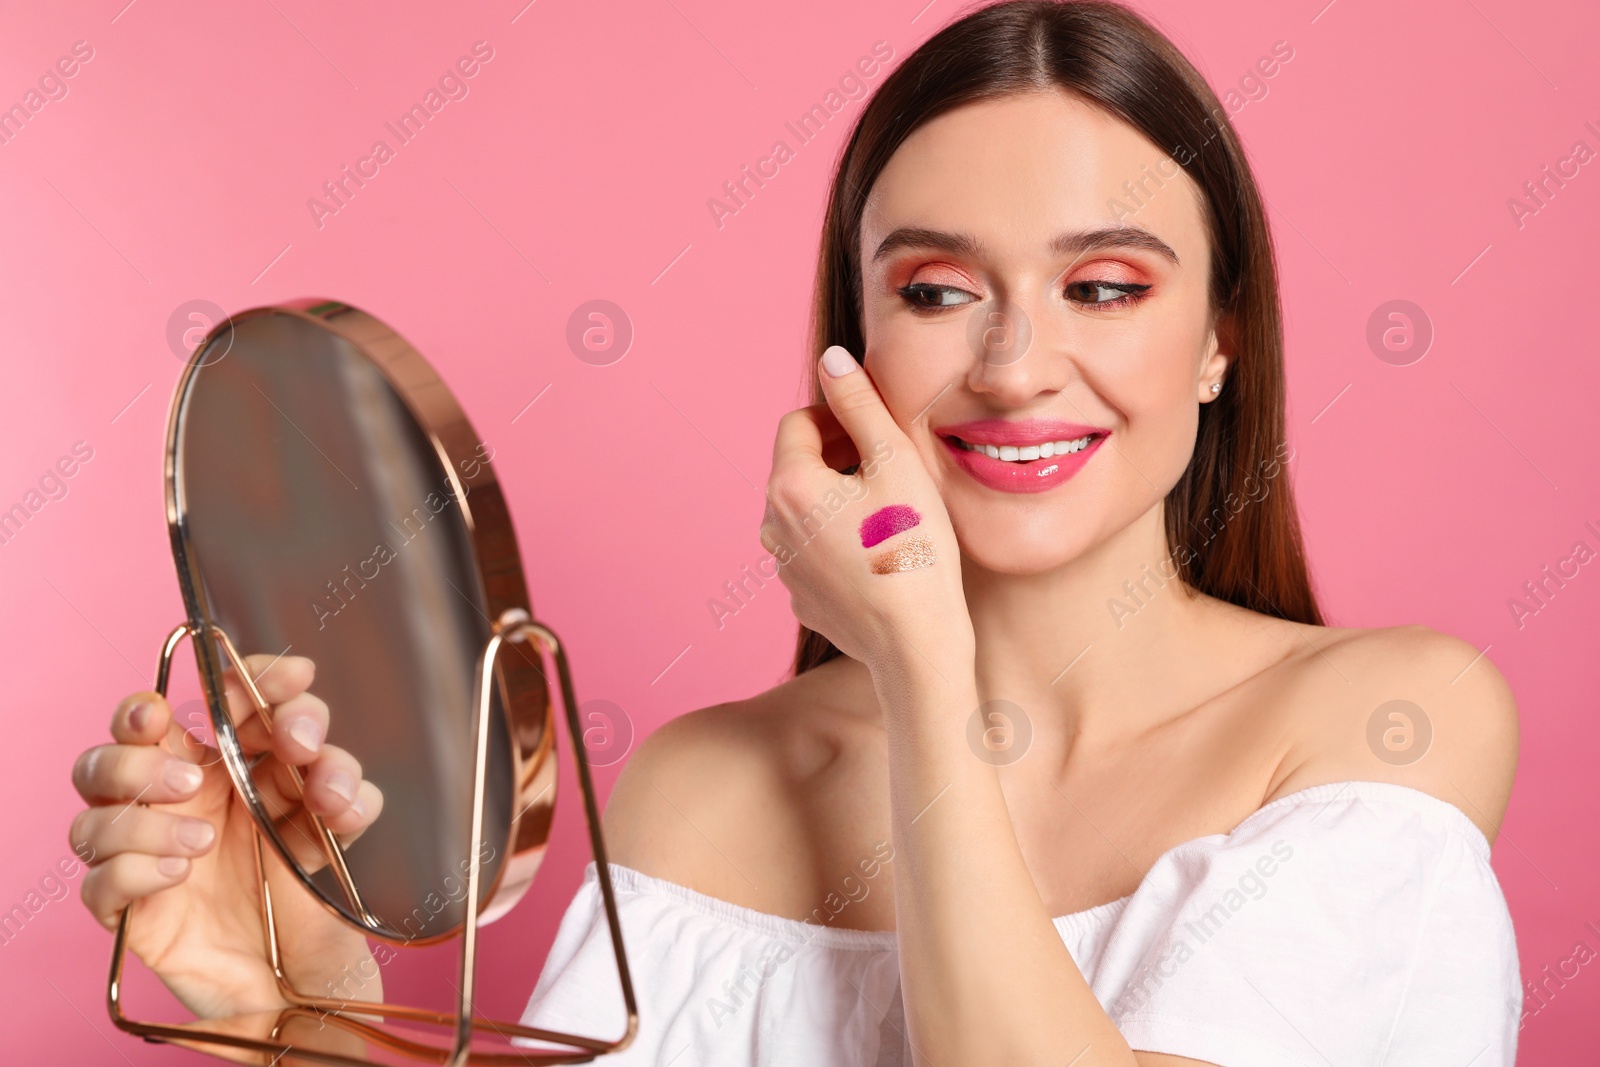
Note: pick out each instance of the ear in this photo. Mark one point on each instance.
(1220, 349)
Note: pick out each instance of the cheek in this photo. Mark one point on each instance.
(1161, 351)
(1166, 445)
(1150, 378)
(912, 362)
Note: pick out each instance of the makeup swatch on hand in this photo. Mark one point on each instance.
(886, 522)
(910, 554)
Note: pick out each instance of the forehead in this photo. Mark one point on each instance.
(1015, 170)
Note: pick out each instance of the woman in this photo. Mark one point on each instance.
(1069, 770)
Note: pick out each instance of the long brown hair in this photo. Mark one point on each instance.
(1108, 55)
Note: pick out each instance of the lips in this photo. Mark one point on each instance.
(1021, 475)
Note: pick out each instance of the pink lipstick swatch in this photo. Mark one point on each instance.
(886, 522)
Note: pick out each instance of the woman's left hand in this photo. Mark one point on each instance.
(869, 558)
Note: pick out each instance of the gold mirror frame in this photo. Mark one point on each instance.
(520, 681)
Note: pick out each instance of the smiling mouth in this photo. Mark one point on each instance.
(1026, 453)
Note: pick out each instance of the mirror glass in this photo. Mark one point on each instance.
(317, 509)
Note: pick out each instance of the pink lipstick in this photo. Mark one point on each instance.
(886, 522)
(1021, 455)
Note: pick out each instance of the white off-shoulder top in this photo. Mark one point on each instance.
(1355, 923)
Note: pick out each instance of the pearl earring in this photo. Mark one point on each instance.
(1216, 387)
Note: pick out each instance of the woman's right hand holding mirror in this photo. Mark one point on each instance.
(166, 832)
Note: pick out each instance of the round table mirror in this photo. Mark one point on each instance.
(327, 498)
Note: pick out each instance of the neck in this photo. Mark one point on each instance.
(1105, 646)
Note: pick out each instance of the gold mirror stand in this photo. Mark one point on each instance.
(514, 626)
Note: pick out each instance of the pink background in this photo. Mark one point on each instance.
(578, 167)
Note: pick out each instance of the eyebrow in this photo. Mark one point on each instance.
(1074, 243)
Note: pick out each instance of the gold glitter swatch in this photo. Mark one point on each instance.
(910, 554)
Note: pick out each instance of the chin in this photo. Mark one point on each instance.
(1003, 546)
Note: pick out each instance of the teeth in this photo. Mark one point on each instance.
(1015, 454)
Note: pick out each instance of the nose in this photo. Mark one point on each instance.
(1017, 352)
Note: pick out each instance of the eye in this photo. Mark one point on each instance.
(925, 297)
(1090, 293)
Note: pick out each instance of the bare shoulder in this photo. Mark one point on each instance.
(1407, 705)
(716, 799)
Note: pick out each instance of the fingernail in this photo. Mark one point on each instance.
(308, 732)
(341, 783)
(172, 866)
(181, 777)
(838, 361)
(139, 716)
(359, 807)
(195, 833)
